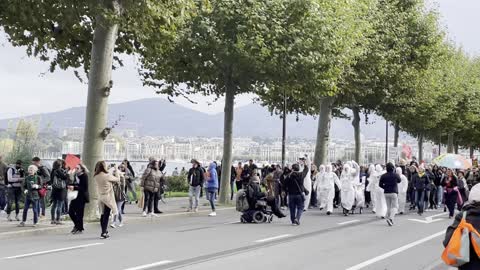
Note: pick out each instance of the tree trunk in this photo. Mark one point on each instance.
(104, 38)
(420, 148)
(450, 142)
(396, 134)
(323, 133)
(472, 151)
(227, 144)
(456, 147)
(356, 131)
(284, 131)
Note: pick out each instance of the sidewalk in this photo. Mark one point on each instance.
(171, 207)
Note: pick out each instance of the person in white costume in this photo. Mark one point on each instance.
(347, 189)
(307, 182)
(380, 203)
(371, 188)
(326, 189)
(359, 185)
(402, 191)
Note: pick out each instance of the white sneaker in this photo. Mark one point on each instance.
(144, 214)
(213, 214)
(196, 210)
(153, 215)
(113, 225)
(120, 225)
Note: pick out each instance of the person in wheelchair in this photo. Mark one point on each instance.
(261, 209)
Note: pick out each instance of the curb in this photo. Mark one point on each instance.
(66, 228)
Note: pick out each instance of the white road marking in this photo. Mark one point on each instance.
(273, 238)
(148, 266)
(395, 251)
(51, 251)
(233, 222)
(429, 219)
(348, 222)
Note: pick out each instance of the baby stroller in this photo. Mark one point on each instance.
(253, 210)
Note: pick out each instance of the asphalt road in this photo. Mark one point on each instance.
(198, 242)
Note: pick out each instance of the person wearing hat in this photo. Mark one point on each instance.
(15, 178)
(472, 209)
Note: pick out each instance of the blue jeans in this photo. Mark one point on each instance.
(57, 209)
(439, 195)
(34, 203)
(3, 198)
(296, 204)
(211, 197)
(419, 199)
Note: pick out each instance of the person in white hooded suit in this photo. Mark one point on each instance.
(378, 196)
(307, 182)
(326, 189)
(402, 191)
(347, 188)
(359, 184)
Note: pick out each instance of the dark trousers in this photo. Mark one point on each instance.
(56, 210)
(337, 200)
(104, 218)
(3, 198)
(313, 199)
(419, 199)
(148, 197)
(450, 201)
(232, 189)
(76, 212)
(42, 206)
(296, 204)
(13, 195)
(34, 204)
(156, 200)
(211, 196)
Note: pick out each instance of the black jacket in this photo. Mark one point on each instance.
(473, 217)
(420, 183)
(82, 188)
(389, 182)
(195, 177)
(294, 182)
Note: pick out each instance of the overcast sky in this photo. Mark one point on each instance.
(26, 86)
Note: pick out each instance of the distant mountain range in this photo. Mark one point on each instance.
(159, 117)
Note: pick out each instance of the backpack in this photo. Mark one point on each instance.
(457, 252)
(242, 201)
(58, 183)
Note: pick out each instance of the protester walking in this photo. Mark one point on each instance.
(195, 179)
(389, 183)
(58, 181)
(15, 178)
(31, 186)
(106, 199)
(295, 189)
(402, 191)
(419, 184)
(212, 186)
(77, 206)
(450, 183)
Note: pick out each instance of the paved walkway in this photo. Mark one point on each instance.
(171, 207)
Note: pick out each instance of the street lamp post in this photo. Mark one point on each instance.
(284, 130)
(386, 142)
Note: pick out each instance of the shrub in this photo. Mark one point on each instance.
(176, 183)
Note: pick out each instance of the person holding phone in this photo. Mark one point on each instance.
(104, 180)
(77, 206)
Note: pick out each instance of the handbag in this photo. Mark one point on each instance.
(72, 195)
(42, 192)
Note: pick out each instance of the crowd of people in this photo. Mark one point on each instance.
(383, 189)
